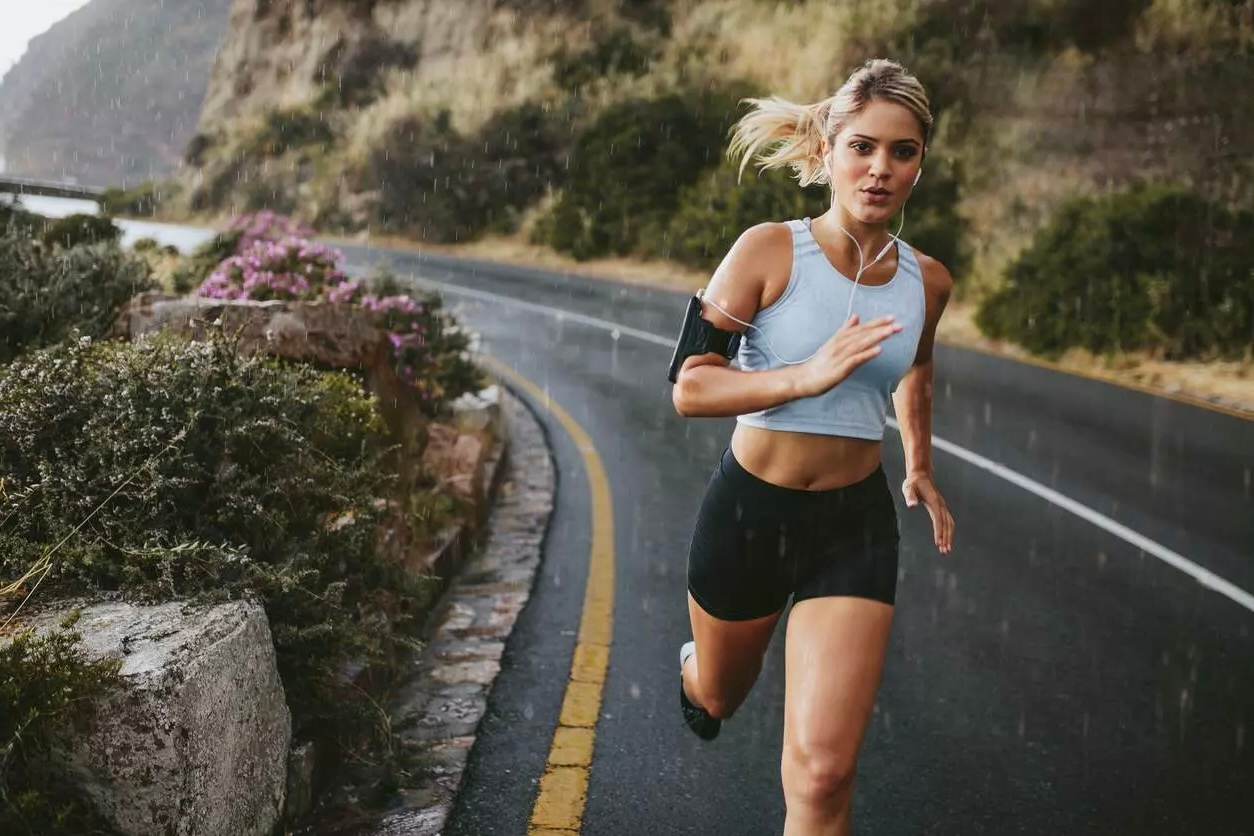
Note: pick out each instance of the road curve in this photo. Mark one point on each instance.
(1050, 676)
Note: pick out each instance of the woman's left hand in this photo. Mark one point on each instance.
(920, 487)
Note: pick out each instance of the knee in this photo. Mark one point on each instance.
(818, 776)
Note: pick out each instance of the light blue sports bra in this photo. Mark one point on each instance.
(812, 309)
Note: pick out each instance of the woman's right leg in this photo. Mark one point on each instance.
(719, 676)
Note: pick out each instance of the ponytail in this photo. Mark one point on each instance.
(796, 131)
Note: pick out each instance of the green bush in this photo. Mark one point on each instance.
(285, 130)
(46, 297)
(1154, 267)
(197, 147)
(140, 201)
(46, 687)
(353, 75)
(196, 473)
(445, 187)
(614, 52)
(714, 211)
(430, 349)
(629, 167)
(73, 230)
(18, 221)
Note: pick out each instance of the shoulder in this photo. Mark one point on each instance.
(764, 242)
(754, 263)
(936, 277)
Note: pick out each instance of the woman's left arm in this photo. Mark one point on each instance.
(913, 404)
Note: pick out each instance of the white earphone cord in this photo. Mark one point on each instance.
(848, 312)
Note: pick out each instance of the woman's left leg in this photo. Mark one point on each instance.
(835, 650)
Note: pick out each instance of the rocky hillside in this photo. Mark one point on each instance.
(112, 93)
(452, 119)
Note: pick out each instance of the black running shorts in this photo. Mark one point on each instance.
(756, 543)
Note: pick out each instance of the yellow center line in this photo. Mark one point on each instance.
(563, 791)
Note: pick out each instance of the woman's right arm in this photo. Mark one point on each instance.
(707, 386)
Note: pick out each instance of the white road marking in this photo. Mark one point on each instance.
(1202, 575)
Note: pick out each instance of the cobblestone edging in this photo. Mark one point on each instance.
(438, 714)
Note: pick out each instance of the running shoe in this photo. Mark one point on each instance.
(696, 718)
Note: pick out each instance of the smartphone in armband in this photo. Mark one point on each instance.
(698, 336)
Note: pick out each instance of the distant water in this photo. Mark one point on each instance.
(186, 238)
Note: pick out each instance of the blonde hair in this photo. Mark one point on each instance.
(797, 131)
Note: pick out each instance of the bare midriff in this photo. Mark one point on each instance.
(804, 461)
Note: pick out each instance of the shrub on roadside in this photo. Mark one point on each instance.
(45, 297)
(429, 349)
(1156, 267)
(197, 473)
(18, 221)
(74, 230)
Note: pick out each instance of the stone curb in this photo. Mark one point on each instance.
(438, 713)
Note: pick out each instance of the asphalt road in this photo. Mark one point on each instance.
(1047, 677)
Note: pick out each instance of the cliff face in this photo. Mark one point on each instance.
(112, 93)
(349, 54)
(311, 101)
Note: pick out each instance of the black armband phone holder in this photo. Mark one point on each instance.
(698, 336)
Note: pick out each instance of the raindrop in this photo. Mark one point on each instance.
(988, 414)
(635, 691)
(1101, 560)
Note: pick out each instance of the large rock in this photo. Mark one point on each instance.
(195, 741)
(317, 332)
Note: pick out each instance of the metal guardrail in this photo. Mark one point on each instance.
(21, 186)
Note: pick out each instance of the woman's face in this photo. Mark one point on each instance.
(873, 161)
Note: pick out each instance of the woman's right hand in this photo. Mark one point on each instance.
(850, 347)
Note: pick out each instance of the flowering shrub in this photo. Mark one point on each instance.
(275, 261)
(267, 226)
(290, 268)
